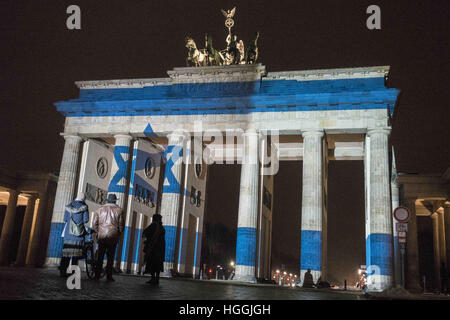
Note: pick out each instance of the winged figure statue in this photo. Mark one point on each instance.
(229, 13)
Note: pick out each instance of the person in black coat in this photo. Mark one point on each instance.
(154, 248)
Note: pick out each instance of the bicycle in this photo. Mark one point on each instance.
(90, 254)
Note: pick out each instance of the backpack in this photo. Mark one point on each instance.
(78, 230)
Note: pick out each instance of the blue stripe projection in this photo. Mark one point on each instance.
(172, 154)
(137, 245)
(55, 241)
(311, 250)
(133, 170)
(195, 249)
(171, 234)
(379, 252)
(148, 131)
(126, 244)
(182, 231)
(233, 97)
(246, 246)
(121, 173)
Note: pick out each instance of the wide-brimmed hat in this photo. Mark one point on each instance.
(111, 198)
(157, 217)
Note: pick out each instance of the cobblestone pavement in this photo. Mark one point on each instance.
(45, 283)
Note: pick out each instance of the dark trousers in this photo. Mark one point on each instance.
(110, 250)
(155, 276)
(64, 264)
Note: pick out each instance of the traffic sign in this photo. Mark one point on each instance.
(402, 234)
(401, 240)
(401, 214)
(401, 227)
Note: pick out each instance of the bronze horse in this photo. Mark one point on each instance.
(215, 57)
(252, 51)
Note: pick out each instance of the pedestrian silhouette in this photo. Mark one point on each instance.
(76, 215)
(154, 248)
(308, 280)
(109, 224)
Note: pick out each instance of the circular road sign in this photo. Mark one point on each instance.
(401, 214)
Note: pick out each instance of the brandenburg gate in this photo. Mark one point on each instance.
(150, 142)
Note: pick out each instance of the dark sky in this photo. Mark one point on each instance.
(40, 59)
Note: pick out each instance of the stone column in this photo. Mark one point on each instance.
(36, 245)
(379, 236)
(8, 227)
(119, 168)
(447, 232)
(412, 249)
(442, 237)
(248, 210)
(311, 226)
(170, 200)
(26, 231)
(436, 251)
(118, 184)
(64, 195)
(395, 198)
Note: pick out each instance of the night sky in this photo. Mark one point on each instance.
(40, 60)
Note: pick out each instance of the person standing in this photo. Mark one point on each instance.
(109, 224)
(76, 215)
(154, 248)
(308, 281)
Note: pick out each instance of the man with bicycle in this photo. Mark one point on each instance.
(109, 224)
(76, 216)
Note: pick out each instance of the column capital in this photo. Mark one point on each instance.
(372, 131)
(313, 132)
(123, 136)
(32, 196)
(177, 136)
(251, 131)
(71, 136)
(13, 192)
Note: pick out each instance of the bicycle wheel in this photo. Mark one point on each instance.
(102, 272)
(90, 262)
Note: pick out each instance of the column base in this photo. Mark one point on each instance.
(378, 283)
(52, 262)
(245, 274)
(315, 274)
(244, 278)
(166, 274)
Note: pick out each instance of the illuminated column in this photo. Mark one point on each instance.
(64, 195)
(395, 203)
(442, 245)
(447, 232)
(118, 184)
(171, 196)
(137, 250)
(26, 231)
(436, 251)
(311, 226)
(36, 245)
(412, 249)
(248, 210)
(128, 213)
(8, 227)
(379, 236)
(119, 168)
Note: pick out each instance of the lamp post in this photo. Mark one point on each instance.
(279, 277)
